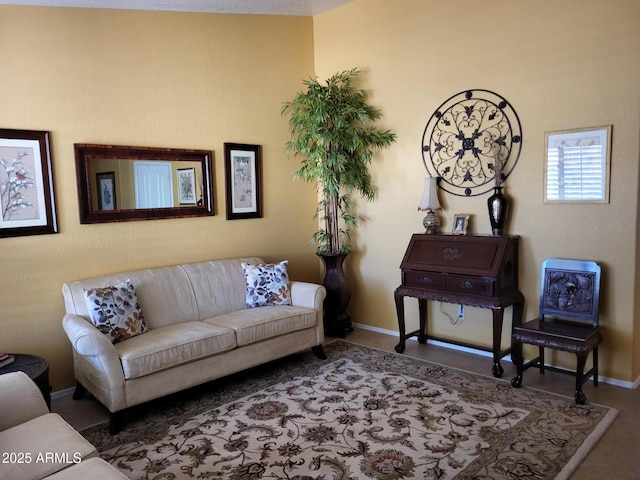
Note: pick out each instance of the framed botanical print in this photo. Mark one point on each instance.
(243, 176)
(106, 190)
(187, 186)
(26, 184)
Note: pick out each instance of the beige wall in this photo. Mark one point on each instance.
(562, 64)
(197, 81)
(146, 79)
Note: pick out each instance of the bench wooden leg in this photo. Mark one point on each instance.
(582, 361)
(518, 361)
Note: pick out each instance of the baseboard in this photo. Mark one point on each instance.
(62, 393)
(610, 381)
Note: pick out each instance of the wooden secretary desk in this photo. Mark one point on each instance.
(474, 270)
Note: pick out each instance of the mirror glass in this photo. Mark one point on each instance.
(118, 183)
(577, 165)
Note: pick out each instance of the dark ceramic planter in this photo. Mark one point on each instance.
(336, 319)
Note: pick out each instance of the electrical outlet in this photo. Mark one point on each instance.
(460, 312)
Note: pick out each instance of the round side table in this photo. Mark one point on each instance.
(36, 368)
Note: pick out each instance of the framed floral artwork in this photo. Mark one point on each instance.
(187, 186)
(26, 184)
(243, 175)
(106, 190)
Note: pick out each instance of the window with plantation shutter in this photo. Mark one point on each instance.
(577, 166)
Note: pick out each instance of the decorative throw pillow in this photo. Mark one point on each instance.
(115, 311)
(267, 284)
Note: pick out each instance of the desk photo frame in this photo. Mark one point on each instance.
(460, 223)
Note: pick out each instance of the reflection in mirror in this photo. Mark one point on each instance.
(117, 183)
(577, 165)
(123, 184)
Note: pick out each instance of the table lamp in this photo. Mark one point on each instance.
(430, 204)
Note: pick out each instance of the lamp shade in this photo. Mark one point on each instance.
(430, 196)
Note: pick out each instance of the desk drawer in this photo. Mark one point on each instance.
(466, 284)
(430, 280)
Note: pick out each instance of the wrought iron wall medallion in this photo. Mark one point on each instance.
(471, 138)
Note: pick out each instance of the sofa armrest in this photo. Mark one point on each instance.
(95, 362)
(309, 295)
(20, 400)
(85, 338)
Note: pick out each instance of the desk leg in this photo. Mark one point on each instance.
(424, 321)
(401, 326)
(498, 316)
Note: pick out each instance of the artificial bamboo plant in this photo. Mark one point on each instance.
(332, 132)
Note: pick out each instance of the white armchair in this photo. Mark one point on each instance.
(36, 444)
(20, 400)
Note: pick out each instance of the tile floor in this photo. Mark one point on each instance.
(616, 456)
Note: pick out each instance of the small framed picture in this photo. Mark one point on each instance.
(106, 190)
(460, 223)
(243, 178)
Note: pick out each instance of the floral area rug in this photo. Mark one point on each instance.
(360, 414)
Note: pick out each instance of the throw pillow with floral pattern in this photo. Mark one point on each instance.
(114, 310)
(267, 284)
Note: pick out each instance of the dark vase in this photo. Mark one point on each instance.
(336, 319)
(498, 205)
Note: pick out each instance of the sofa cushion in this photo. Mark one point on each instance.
(115, 311)
(51, 444)
(172, 345)
(257, 324)
(266, 284)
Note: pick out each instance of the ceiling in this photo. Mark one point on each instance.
(259, 7)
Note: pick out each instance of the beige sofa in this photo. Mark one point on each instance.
(37, 444)
(198, 330)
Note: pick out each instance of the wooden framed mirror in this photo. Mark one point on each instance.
(120, 183)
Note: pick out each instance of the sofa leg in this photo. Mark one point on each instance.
(115, 422)
(319, 352)
(79, 391)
